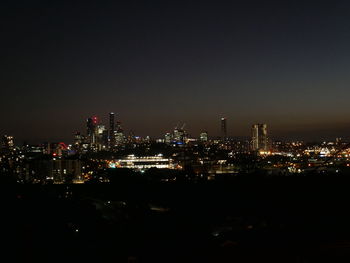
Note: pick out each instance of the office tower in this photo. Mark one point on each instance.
(177, 135)
(223, 129)
(119, 134)
(180, 135)
(78, 139)
(101, 137)
(7, 142)
(111, 138)
(167, 138)
(203, 137)
(119, 137)
(100, 129)
(105, 137)
(91, 124)
(259, 137)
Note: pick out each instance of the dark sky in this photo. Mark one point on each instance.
(159, 63)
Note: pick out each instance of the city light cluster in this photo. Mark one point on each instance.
(93, 155)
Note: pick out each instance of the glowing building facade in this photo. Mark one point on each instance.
(259, 137)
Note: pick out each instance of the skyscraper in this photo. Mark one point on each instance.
(167, 138)
(119, 134)
(91, 124)
(180, 135)
(111, 137)
(101, 137)
(78, 139)
(203, 137)
(259, 137)
(7, 142)
(223, 129)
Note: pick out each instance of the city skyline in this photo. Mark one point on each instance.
(111, 123)
(175, 131)
(234, 130)
(284, 64)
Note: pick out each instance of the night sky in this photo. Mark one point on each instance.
(159, 63)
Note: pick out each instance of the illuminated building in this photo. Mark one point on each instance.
(179, 135)
(259, 137)
(203, 137)
(55, 170)
(78, 138)
(56, 148)
(223, 129)
(91, 124)
(111, 138)
(101, 137)
(119, 134)
(35, 149)
(79, 141)
(144, 162)
(119, 138)
(167, 138)
(7, 142)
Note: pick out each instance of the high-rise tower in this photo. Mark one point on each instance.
(259, 137)
(119, 134)
(203, 137)
(91, 124)
(7, 142)
(111, 137)
(223, 129)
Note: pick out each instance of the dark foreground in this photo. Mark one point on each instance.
(280, 219)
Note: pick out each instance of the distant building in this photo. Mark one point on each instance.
(80, 143)
(53, 170)
(7, 143)
(119, 136)
(78, 139)
(56, 148)
(111, 138)
(101, 137)
(144, 162)
(223, 129)
(35, 149)
(259, 137)
(179, 135)
(91, 124)
(203, 137)
(167, 138)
